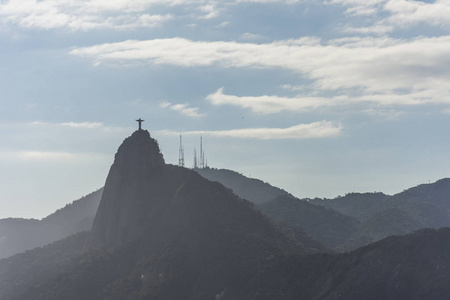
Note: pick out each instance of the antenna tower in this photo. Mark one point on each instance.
(181, 153)
(202, 155)
(195, 159)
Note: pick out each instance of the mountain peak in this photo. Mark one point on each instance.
(139, 148)
(137, 162)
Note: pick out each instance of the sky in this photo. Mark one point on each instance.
(320, 98)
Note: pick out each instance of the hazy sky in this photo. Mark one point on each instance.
(320, 98)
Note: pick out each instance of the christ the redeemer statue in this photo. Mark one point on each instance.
(140, 123)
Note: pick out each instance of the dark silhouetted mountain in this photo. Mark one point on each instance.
(325, 225)
(33, 268)
(358, 205)
(254, 190)
(415, 266)
(424, 206)
(18, 235)
(165, 232)
(392, 221)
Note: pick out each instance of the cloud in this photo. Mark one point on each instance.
(382, 70)
(184, 109)
(45, 156)
(374, 64)
(49, 156)
(384, 114)
(83, 15)
(322, 129)
(389, 15)
(210, 10)
(270, 1)
(270, 104)
(407, 13)
(80, 127)
(87, 125)
(250, 36)
(266, 104)
(103, 14)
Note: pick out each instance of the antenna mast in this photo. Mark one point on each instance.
(195, 159)
(202, 155)
(181, 153)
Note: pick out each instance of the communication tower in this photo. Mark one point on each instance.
(181, 153)
(195, 159)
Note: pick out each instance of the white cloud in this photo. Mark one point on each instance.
(79, 127)
(271, 104)
(384, 114)
(322, 129)
(87, 125)
(103, 14)
(271, 1)
(392, 14)
(274, 104)
(223, 24)
(446, 111)
(184, 109)
(210, 10)
(39, 155)
(48, 156)
(83, 15)
(407, 13)
(164, 104)
(250, 36)
(384, 70)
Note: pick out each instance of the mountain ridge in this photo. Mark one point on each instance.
(165, 232)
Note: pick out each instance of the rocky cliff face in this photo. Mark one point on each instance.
(197, 236)
(144, 199)
(126, 197)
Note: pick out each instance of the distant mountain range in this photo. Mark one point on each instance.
(380, 215)
(18, 235)
(252, 189)
(344, 223)
(165, 232)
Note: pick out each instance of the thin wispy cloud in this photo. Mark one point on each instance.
(270, 1)
(271, 104)
(183, 109)
(88, 125)
(44, 156)
(322, 129)
(250, 36)
(49, 156)
(82, 125)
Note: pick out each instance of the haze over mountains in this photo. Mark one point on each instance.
(165, 232)
(18, 235)
(342, 224)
